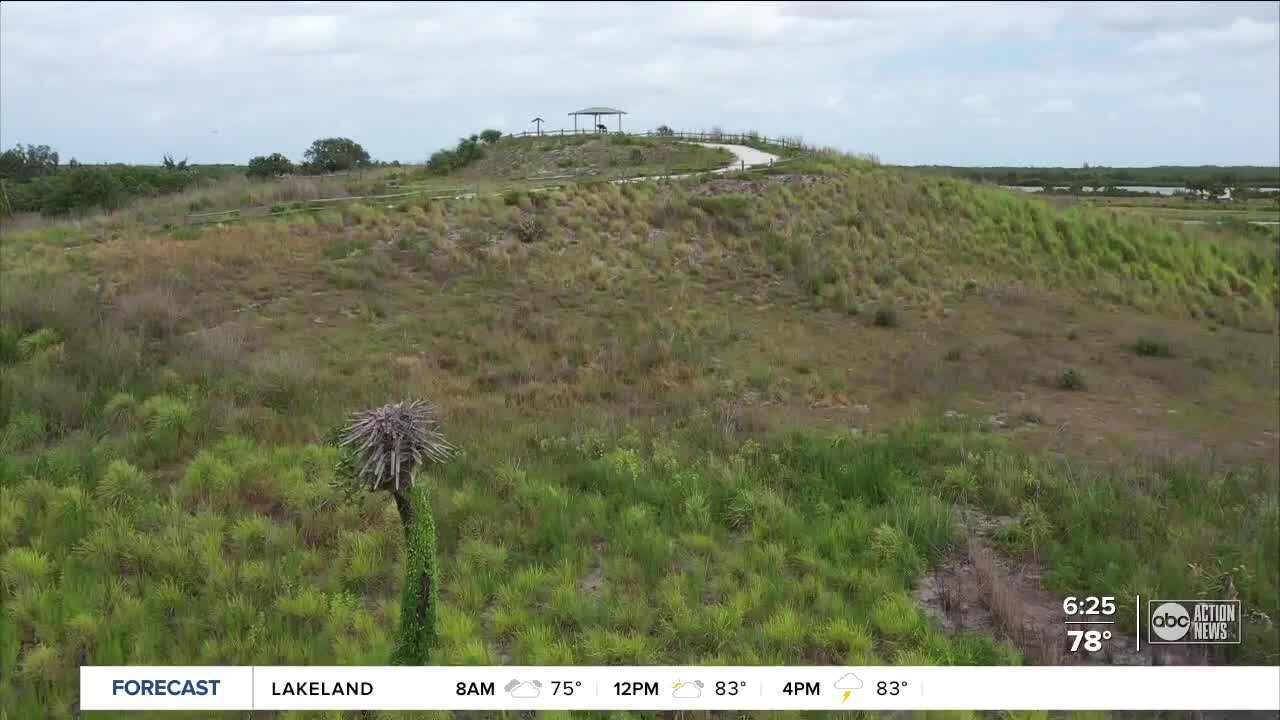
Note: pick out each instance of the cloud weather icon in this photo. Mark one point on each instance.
(526, 689)
(849, 681)
(692, 689)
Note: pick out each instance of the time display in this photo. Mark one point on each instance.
(1091, 605)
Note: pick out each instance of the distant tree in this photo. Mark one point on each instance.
(73, 163)
(86, 187)
(13, 164)
(490, 136)
(665, 130)
(1225, 181)
(335, 154)
(169, 164)
(24, 164)
(268, 166)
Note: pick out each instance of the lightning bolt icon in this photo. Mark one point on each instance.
(846, 695)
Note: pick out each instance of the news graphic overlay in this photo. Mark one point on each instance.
(673, 688)
(1089, 622)
(1194, 622)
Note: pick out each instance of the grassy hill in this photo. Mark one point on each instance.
(592, 155)
(726, 420)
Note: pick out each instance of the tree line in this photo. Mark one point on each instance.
(330, 155)
(32, 179)
(1203, 177)
(326, 155)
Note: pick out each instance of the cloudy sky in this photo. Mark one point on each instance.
(971, 83)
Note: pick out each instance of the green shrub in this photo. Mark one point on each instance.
(121, 408)
(42, 339)
(328, 155)
(269, 166)
(886, 316)
(208, 480)
(23, 568)
(8, 346)
(23, 430)
(1151, 347)
(168, 420)
(467, 151)
(1071, 379)
(722, 205)
(123, 485)
(896, 616)
(892, 549)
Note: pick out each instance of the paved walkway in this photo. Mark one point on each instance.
(743, 155)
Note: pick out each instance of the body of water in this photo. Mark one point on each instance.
(1153, 189)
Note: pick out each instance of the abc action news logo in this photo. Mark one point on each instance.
(1194, 622)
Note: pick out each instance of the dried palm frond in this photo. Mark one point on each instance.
(390, 443)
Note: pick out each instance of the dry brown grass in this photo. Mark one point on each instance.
(1009, 612)
(154, 312)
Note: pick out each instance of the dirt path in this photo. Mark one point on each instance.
(743, 155)
(978, 589)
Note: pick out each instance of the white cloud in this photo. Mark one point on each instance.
(1055, 105)
(407, 78)
(978, 102)
(1242, 34)
(1187, 100)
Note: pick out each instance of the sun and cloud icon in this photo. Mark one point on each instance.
(691, 689)
(526, 689)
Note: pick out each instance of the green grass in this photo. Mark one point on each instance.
(653, 400)
(1152, 347)
(604, 157)
(765, 554)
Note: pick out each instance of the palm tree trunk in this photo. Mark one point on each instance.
(418, 597)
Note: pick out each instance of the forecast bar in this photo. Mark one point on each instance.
(678, 688)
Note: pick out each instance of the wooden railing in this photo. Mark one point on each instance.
(314, 204)
(712, 136)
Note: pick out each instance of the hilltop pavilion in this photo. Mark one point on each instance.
(596, 113)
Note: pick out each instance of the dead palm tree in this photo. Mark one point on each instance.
(383, 449)
(537, 122)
